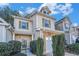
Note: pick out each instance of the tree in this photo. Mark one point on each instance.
(6, 13)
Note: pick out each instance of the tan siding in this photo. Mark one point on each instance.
(21, 37)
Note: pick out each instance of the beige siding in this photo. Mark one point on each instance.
(23, 37)
(9, 35)
(17, 30)
(39, 22)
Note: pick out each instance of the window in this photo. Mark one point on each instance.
(46, 23)
(45, 12)
(23, 25)
(66, 26)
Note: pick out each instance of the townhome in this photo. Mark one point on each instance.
(6, 31)
(74, 33)
(65, 25)
(37, 24)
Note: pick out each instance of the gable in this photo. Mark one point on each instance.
(65, 19)
(2, 22)
(45, 10)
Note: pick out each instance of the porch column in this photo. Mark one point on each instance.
(13, 36)
(44, 37)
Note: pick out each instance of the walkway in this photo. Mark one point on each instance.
(50, 54)
(69, 54)
(27, 52)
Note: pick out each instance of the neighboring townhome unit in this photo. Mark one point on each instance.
(65, 25)
(37, 24)
(22, 30)
(74, 33)
(5, 31)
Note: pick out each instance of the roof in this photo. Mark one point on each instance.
(36, 12)
(2, 22)
(39, 12)
(45, 7)
(60, 21)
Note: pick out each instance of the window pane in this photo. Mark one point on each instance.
(23, 25)
(66, 26)
(46, 23)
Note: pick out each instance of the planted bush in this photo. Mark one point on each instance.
(10, 48)
(58, 45)
(15, 46)
(5, 49)
(33, 46)
(40, 46)
(37, 46)
(73, 48)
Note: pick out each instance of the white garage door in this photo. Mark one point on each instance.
(48, 45)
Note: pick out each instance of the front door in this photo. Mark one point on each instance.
(48, 45)
(26, 43)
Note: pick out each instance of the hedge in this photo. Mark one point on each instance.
(33, 46)
(16, 46)
(5, 49)
(40, 46)
(58, 45)
(73, 48)
(37, 46)
(10, 48)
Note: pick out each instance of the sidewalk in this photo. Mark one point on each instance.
(49, 54)
(27, 52)
(69, 54)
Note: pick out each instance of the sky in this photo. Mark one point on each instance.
(59, 10)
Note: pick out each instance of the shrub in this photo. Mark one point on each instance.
(15, 46)
(5, 49)
(73, 48)
(58, 45)
(33, 46)
(20, 54)
(37, 46)
(40, 46)
(9, 48)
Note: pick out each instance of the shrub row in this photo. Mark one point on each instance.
(37, 46)
(9, 48)
(58, 45)
(5, 49)
(73, 48)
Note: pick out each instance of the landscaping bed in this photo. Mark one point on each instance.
(58, 45)
(36, 47)
(73, 48)
(20, 54)
(11, 48)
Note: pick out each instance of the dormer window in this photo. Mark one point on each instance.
(45, 10)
